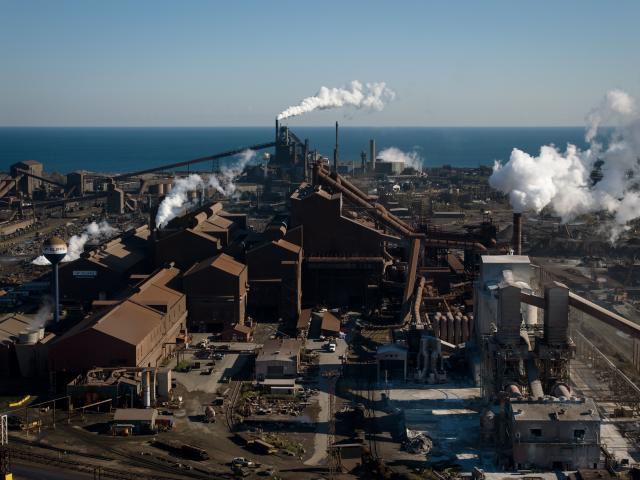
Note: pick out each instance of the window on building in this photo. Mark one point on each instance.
(536, 432)
(578, 434)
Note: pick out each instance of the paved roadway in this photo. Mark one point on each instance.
(327, 361)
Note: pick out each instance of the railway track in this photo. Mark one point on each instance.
(371, 415)
(30, 456)
(140, 461)
(236, 390)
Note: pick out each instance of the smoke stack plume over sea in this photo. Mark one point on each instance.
(562, 180)
(368, 96)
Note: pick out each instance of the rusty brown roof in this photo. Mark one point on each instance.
(330, 322)
(221, 262)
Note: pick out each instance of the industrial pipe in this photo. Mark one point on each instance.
(561, 390)
(590, 308)
(513, 391)
(533, 376)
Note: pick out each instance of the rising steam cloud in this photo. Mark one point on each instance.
(223, 183)
(410, 159)
(370, 96)
(562, 180)
(94, 232)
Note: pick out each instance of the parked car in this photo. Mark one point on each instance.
(242, 462)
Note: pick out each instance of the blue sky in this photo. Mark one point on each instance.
(193, 63)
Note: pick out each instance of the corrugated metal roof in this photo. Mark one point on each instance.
(129, 322)
(330, 323)
(135, 414)
(11, 325)
(222, 262)
(288, 246)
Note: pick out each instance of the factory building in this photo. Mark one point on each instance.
(11, 326)
(139, 331)
(555, 435)
(279, 358)
(275, 279)
(391, 362)
(344, 255)
(102, 272)
(197, 235)
(27, 184)
(216, 289)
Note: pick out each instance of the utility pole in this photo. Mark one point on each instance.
(5, 464)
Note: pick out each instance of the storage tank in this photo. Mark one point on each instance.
(28, 337)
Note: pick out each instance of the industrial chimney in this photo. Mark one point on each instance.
(335, 152)
(277, 130)
(516, 242)
(372, 154)
(55, 250)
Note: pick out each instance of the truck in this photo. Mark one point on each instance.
(209, 414)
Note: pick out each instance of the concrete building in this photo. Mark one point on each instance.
(275, 279)
(556, 435)
(102, 272)
(391, 362)
(139, 331)
(344, 255)
(27, 185)
(279, 358)
(216, 289)
(128, 421)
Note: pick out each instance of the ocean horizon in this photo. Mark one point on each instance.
(121, 149)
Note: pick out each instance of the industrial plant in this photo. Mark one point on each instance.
(278, 311)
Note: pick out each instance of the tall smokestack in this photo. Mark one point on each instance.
(277, 130)
(335, 152)
(372, 154)
(306, 160)
(517, 233)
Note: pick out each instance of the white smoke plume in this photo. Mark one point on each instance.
(562, 180)
(44, 313)
(370, 96)
(173, 203)
(410, 159)
(94, 232)
(224, 183)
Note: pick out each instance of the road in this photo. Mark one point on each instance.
(327, 361)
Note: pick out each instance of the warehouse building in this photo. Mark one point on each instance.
(216, 289)
(344, 255)
(11, 325)
(197, 235)
(139, 331)
(275, 280)
(101, 273)
(278, 359)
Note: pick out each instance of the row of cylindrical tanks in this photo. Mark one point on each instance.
(451, 327)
